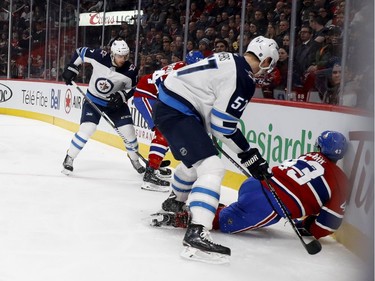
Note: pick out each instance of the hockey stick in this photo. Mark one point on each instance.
(165, 163)
(312, 247)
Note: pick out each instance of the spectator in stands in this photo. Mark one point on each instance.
(175, 29)
(260, 21)
(190, 46)
(157, 18)
(208, 7)
(304, 55)
(325, 57)
(219, 7)
(317, 24)
(286, 40)
(282, 66)
(279, 8)
(24, 20)
(167, 49)
(224, 31)
(283, 29)
(192, 29)
(304, 13)
(195, 12)
(287, 11)
(330, 93)
(199, 35)
(271, 31)
(327, 18)
(232, 7)
(203, 22)
(221, 45)
(270, 82)
(254, 30)
(210, 33)
(204, 47)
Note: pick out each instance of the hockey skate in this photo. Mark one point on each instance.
(172, 205)
(199, 246)
(68, 165)
(152, 182)
(137, 166)
(165, 219)
(164, 173)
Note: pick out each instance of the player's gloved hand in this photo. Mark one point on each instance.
(116, 100)
(70, 73)
(255, 163)
(304, 225)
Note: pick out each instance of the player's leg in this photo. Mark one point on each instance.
(124, 123)
(158, 148)
(88, 123)
(190, 143)
(251, 211)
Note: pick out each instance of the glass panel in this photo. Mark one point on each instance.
(42, 42)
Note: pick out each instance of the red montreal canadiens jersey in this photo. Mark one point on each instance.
(148, 85)
(312, 185)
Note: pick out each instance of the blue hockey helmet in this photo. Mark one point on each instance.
(332, 144)
(193, 56)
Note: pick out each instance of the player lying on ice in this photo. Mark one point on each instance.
(312, 187)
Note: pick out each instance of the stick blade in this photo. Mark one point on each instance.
(313, 247)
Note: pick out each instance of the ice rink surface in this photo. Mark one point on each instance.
(92, 225)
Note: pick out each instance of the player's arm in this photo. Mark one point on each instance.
(330, 216)
(72, 68)
(224, 127)
(328, 220)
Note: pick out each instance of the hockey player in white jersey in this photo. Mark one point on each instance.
(110, 86)
(199, 100)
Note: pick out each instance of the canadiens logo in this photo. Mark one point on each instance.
(103, 86)
(68, 101)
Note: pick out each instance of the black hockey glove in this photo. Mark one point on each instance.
(255, 163)
(70, 73)
(116, 100)
(304, 225)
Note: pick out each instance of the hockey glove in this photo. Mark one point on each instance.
(70, 73)
(304, 225)
(116, 100)
(254, 162)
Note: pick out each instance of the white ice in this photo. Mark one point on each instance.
(92, 225)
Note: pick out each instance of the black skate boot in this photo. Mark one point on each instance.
(152, 182)
(164, 173)
(198, 237)
(172, 205)
(137, 166)
(68, 165)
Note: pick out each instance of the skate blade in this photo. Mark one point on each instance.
(159, 220)
(157, 188)
(195, 254)
(66, 172)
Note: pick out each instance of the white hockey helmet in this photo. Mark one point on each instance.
(119, 47)
(264, 48)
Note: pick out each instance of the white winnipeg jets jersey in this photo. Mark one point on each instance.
(106, 79)
(216, 90)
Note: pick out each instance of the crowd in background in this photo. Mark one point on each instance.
(214, 26)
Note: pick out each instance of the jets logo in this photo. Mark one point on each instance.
(103, 86)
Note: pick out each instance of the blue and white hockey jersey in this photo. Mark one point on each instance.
(106, 79)
(216, 90)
